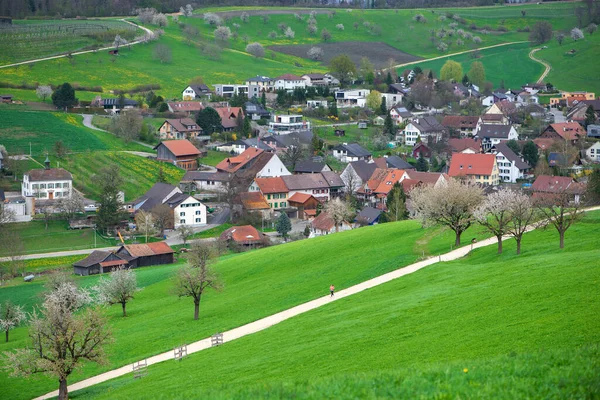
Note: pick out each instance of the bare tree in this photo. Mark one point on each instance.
(522, 215)
(562, 209)
(163, 53)
(193, 279)
(163, 217)
(43, 92)
(69, 206)
(61, 340)
(127, 125)
(451, 205)
(145, 223)
(119, 288)
(233, 187)
(494, 213)
(11, 316)
(185, 232)
(338, 210)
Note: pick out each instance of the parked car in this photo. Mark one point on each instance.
(90, 207)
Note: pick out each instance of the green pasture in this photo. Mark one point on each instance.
(485, 326)
(21, 131)
(214, 157)
(139, 173)
(256, 284)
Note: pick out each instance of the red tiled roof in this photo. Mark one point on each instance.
(393, 176)
(271, 185)
(568, 130)
(232, 164)
(552, 184)
(376, 177)
(180, 148)
(52, 174)
(425, 177)
(288, 77)
(323, 222)
(253, 201)
(459, 145)
(543, 143)
(148, 249)
(229, 116)
(471, 164)
(380, 162)
(242, 234)
(409, 184)
(185, 106)
(300, 198)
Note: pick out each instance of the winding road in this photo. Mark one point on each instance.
(544, 63)
(274, 319)
(148, 31)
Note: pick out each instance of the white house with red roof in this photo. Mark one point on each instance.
(480, 168)
(289, 82)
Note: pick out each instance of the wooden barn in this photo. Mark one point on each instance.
(98, 262)
(144, 255)
(179, 152)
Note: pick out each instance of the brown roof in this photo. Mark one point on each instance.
(380, 162)
(185, 106)
(183, 124)
(229, 116)
(288, 77)
(552, 184)
(409, 184)
(180, 148)
(426, 177)
(271, 185)
(459, 121)
(506, 107)
(113, 263)
(253, 201)
(323, 222)
(300, 198)
(459, 145)
(374, 181)
(242, 234)
(492, 117)
(52, 174)
(232, 164)
(543, 143)
(568, 130)
(471, 164)
(148, 249)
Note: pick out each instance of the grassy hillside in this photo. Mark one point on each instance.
(139, 173)
(485, 326)
(22, 130)
(257, 284)
(396, 28)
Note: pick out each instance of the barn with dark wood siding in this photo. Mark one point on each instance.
(99, 262)
(143, 255)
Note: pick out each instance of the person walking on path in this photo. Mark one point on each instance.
(332, 289)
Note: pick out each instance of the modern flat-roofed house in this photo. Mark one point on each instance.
(287, 123)
(193, 92)
(181, 128)
(178, 152)
(47, 183)
(230, 90)
(351, 97)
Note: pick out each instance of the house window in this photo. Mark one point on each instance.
(42, 186)
(198, 212)
(276, 205)
(283, 204)
(58, 185)
(66, 185)
(198, 220)
(182, 214)
(268, 197)
(35, 186)
(182, 221)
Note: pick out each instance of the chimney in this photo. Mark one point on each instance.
(47, 163)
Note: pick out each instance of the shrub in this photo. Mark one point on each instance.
(376, 30)
(213, 19)
(289, 33)
(256, 49)
(315, 53)
(442, 47)
(325, 35)
(272, 35)
(282, 27)
(459, 42)
(340, 27)
(245, 17)
(476, 39)
(312, 29)
(419, 18)
(502, 28)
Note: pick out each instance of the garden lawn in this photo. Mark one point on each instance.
(498, 63)
(58, 237)
(485, 326)
(256, 284)
(212, 232)
(137, 66)
(139, 173)
(40, 130)
(214, 157)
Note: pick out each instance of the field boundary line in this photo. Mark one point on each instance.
(274, 319)
(84, 51)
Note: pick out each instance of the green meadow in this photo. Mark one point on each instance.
(485, 326)
(256, 284)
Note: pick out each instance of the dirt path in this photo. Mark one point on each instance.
(81, 52)
(453, 54)
(544, 63)
(274, 319)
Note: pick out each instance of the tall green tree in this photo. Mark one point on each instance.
(64, 96)
(422, 164)
(263, 99)
(343, 67)
(388, 126)
(209, 120)
(283, 225)
(590, 116)
(396, 204)
(246, 128)
(383, 106)
(388, 78)
(530, 154)
(514, 146)
(111, 211)
(451, 71)
(477, 73)
(333, 110)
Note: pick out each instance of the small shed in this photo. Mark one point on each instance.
(340, 132)
(305, 203)
(114, 52)
(362, 124)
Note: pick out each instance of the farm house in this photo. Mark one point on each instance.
(127, 256)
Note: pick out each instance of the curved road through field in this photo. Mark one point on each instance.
(274, 319)
(544, 63)
(82, 52)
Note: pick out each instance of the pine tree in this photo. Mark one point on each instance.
(422, 164)
(246, 128)
(388, 78)
(590, 116)
(283, 225)
(388, 126)
(333, 110)
(263, 99)
(383, 106)
(465, 80)
(396, 204)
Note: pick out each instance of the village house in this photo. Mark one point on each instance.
(356, 174)
(6, 98)
(546, 186)
(391, 99)
(253, 163)
(593, 152)
(463, 125)
(495, 98)
(229, 117)
(181, 153)
(261, 83)
(255, 203)
(374, 192)
(188, 108)
(323, 186)
(280, 143)
(193, 92)
(127, 256)
(349, 152)
(185, 209)
(244, 235)
(566, 131)
(256, 111)
(368, 216)
(400, 115)
(310, 167)
(593, 131)
(323, 224)
(289, 82)
(427, 128)
(491, 135)
(305, 204)
(480, 168)
(437, 179)
(213, 182)
(315, 80)
(569, 99)
(351, 97)
(283, 124)
(114, 105)
(181, 128)
(392, 162)
(421, 149)
(317, 103)
(273, 189)
(229, 90)
(464, 145)
(47, 183)
(511, 167)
